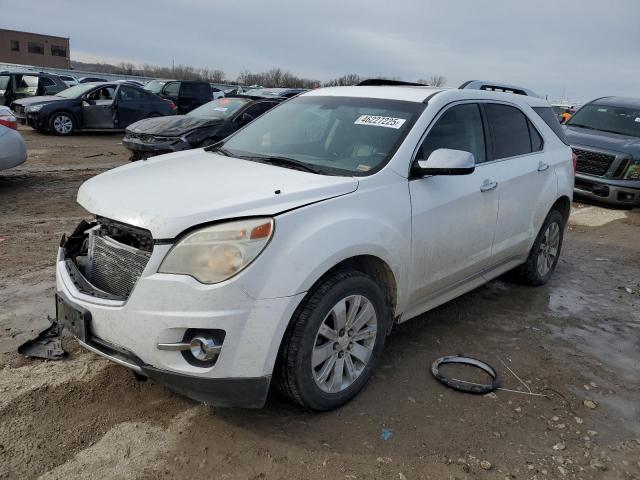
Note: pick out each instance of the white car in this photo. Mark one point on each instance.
(288, 251)
(13, 150)
(69, 80)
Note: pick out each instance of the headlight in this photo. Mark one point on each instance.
(633, 171)
(33, 108)
(214, 254)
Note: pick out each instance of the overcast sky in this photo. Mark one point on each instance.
(579, 48)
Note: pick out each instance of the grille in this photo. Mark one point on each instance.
(593, 163)
(148, 138)
(113, 266)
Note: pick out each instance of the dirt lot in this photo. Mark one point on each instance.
(573, 341)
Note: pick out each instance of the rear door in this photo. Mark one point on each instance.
(453, 217)
(132, 104)
(98, 108)
(527, 183)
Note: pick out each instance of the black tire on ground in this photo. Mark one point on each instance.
(293, 374)
(530, 272)
(134, 157)
(62, 123)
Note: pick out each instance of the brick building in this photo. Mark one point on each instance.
(34, 49)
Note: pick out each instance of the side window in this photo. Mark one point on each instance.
(510, 131)
(204, 91)
(46, 82)
(258, 109)
(547, 114)
(536, 139)
(172, 89)
(129, 94)
(104, 93)
(459, 128)
(187, 90)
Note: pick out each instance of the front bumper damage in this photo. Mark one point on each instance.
(145, 146)
(164, 308)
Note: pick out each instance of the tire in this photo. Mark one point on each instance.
(62, 124)
(542, 260)
(355, 358)
(134, 157)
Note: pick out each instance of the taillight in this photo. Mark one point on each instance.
(574, 157)
(9, 121)
(173, 106)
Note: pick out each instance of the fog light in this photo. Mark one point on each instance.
(204, 348)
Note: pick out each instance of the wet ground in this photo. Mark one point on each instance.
(568, 353)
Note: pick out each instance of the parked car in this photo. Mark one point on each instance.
(100, 106)
(187, 95)
(288, 251)
(274, 92)
(155, 86)
(91, 80)
(131, 82)
(216, 92)
(17, 85)
(605, 136)
(7, 118)
(201, 127)
(13, 150)
(69, 80)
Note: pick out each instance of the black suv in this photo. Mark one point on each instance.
(187, 95)
(605, 137)
(17, 85)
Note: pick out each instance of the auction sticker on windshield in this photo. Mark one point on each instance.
(379, 121)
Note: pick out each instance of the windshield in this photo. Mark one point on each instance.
(613, 119)
(221, 108)
(342, 135)
(154, 86)
(76, 91)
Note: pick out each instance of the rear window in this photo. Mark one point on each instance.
(510, 130)
(547, 114)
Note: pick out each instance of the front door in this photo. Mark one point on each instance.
(97, 108)
(453, 217)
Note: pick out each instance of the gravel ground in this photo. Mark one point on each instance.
(568, 353)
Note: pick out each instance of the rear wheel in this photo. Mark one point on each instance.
(334, 342)
(545, 252)
(61, 123)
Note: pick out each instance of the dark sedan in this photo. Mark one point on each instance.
(91, 106)
(201, 127)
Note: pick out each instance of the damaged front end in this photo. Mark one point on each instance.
(105, 259)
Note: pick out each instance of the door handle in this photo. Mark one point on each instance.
(543, 166)
(488, 185)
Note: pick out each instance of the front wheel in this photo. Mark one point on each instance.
(61, 123)
(334, 341)
(545, 252)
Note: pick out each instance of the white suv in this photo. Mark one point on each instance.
(290, 249)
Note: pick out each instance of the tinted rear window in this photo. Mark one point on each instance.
(547, 114)
(510, 131)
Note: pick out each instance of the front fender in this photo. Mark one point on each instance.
(309, 241)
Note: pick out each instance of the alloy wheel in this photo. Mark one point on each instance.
(62, 124)
(344, 343)
(548, 248)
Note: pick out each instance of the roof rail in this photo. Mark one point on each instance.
(377, 82)
(497, 87)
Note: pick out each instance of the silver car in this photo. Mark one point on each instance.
(13, 150)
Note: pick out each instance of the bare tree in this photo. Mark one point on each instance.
(434, 81)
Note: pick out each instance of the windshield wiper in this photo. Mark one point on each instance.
(218, 148)
(287, 162)
(581, 126)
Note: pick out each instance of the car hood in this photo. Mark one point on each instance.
(175, 125)
(42, 99)
(603, 140)
(170, 193)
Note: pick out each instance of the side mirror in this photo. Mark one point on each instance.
(445, 161)
(244, 119)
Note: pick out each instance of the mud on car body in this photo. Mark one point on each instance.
(94, 106)
(201, 127)
(287, 251)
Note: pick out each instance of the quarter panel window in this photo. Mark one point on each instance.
(510, 131)
(459, 128)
